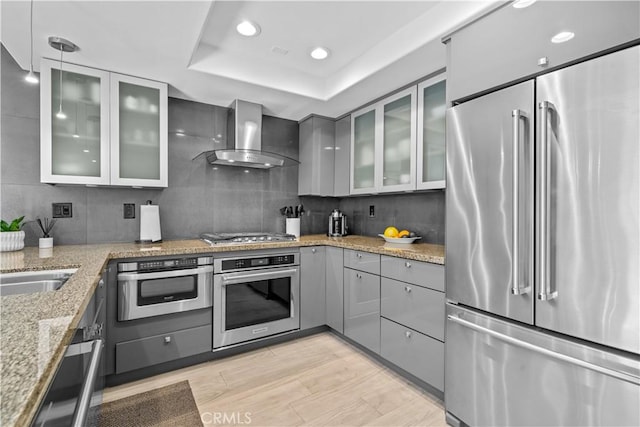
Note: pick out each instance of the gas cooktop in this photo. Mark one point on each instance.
(252, 237)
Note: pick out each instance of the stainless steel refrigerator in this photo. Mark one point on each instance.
(542, 250)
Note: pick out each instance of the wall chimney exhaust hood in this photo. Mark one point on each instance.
(244, 141)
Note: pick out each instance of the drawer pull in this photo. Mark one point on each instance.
(407, 264)
(313, 250)
(359, 255)
(167, 340)
(407, 289)
(359, 276)
(407, 334)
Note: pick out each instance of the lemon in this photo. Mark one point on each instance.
(391, 231)
(403, 233)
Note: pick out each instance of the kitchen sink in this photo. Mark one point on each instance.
(28, 282)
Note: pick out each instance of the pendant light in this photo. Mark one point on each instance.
(31, 77)
(63, 45)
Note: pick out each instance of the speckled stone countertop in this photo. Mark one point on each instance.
(36, 328)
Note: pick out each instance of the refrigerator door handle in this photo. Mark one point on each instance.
(516, 289)
(545, 292)
(555, 355)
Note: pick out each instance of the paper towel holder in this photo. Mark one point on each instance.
(155, 230)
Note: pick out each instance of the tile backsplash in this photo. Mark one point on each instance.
(199, 197)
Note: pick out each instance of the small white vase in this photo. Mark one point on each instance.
(45, 242)
(11, 241)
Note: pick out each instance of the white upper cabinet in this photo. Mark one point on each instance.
(431, 133)
(74, 124)
(101, 128)
(383, 145)
(138, 132)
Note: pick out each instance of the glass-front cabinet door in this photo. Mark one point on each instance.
(74, 124)
(398, 142)
(431, 133)
(383, 145)
(138, 132)
(363, 151)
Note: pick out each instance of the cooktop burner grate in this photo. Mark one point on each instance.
(249, 237)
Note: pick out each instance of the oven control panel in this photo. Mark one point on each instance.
(164, 264)
(267, 261)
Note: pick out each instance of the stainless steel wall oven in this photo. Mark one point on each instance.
(255, 296)
(155, 287)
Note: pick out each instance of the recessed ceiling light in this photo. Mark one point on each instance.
(521, 4)
(231, 161)
(94, 160)
(563, 36)
(248, 29)
(320, 53)
(267, 164)
(85, 151)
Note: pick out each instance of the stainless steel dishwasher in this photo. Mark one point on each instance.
(75, 394)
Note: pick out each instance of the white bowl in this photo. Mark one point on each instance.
(405, 240)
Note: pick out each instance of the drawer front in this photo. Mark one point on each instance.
(362, 261)
(414, 352)
(416, 272)
(418, 308)
(362, 308)
(136, 354)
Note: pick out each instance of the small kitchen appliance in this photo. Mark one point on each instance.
(337, 224)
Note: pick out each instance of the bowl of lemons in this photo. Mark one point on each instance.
(393, 235)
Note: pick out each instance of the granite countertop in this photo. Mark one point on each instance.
(36, 328)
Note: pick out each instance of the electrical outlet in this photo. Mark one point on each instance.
(62, 210)
(129, 211)
(372, 211)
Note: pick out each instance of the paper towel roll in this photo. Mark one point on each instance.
(150, 223)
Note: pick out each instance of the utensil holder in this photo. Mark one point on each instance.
(45, 242)
(293, 226)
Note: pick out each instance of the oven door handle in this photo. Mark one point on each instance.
(122, 277)
(236, 278)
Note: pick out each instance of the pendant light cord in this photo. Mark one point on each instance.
(31, 36)
(61, 50)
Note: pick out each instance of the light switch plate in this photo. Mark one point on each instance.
(129, 211)
(62, 210)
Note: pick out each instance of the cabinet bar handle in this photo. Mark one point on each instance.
(407, 264)
(407, 289)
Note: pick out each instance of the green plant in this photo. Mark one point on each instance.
(14, 226)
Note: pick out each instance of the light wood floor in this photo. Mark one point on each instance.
(318, 380)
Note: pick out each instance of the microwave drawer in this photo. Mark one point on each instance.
(140, 353)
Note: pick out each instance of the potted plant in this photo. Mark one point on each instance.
(46, 225)
(11, 235)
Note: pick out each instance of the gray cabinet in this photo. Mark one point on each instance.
(363, 261)
(416, 307)
(342, 154)
(362, 308)
(334, 288)
(312, 287)
(316, 170)
(507, 44)
(414, 352)
(413, 317)
(416, 272)
(140, 353)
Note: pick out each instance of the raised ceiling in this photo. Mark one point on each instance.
(376, 46)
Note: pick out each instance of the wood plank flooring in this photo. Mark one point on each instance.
(318, 380)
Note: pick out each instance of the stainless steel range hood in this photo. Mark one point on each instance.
(244, 140)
